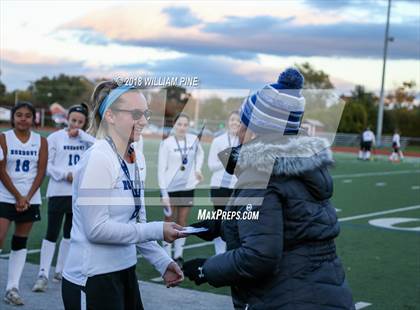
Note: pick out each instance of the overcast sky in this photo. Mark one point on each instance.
(227, 45)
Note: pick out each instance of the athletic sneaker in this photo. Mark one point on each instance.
(12, 297)
(57, 277)
(41, 284)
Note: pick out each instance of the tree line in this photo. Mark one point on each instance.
(360, 111)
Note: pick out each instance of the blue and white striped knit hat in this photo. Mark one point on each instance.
(276, 108)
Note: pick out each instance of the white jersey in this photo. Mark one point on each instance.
(63, 154)
(103, 235)
(171, 177)
(396, 140)
(21, 166)
(368, 136)
(220, 178)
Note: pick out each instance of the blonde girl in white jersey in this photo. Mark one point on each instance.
(65, 148)
(21, 173)
(109, 215)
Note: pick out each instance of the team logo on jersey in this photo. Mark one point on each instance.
(23, 152)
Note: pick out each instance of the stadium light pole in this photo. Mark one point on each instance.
(381, 97)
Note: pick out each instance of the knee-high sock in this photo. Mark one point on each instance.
(179, 247)
(47, 254)
(62, 254)
(167, 247)
(367, 155)
(360, 154)
(219, 245)
(16, 263)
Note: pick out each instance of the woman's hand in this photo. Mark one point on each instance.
(173, 275)
(172, 231)
(213, 229)
(194, 270)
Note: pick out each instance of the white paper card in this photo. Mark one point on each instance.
(193, 230)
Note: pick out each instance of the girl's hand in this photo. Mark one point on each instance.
(22, 204)
(173, 275)
(172, 231)
(69, 177)
(73, 132)
(167, 209)
(199, 176)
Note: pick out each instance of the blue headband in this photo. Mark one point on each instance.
(112, 96)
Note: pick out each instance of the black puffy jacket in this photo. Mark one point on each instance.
(286, 259)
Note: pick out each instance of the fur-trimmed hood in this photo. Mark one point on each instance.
(290, 156)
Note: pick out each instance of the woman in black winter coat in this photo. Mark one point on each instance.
(285, 259)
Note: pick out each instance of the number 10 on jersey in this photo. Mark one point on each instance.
(73, 159)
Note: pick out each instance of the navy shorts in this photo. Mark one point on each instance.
(182, 198)
(117, 290)
(8, 211)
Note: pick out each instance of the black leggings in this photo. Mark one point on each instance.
(110, 291)
(58, 208)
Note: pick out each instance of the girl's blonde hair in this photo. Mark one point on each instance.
(97, 127)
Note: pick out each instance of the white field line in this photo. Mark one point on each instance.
(373, 174)
(187, 247)
(361, 216)
(33, 251)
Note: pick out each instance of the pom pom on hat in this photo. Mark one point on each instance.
(290, 80)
